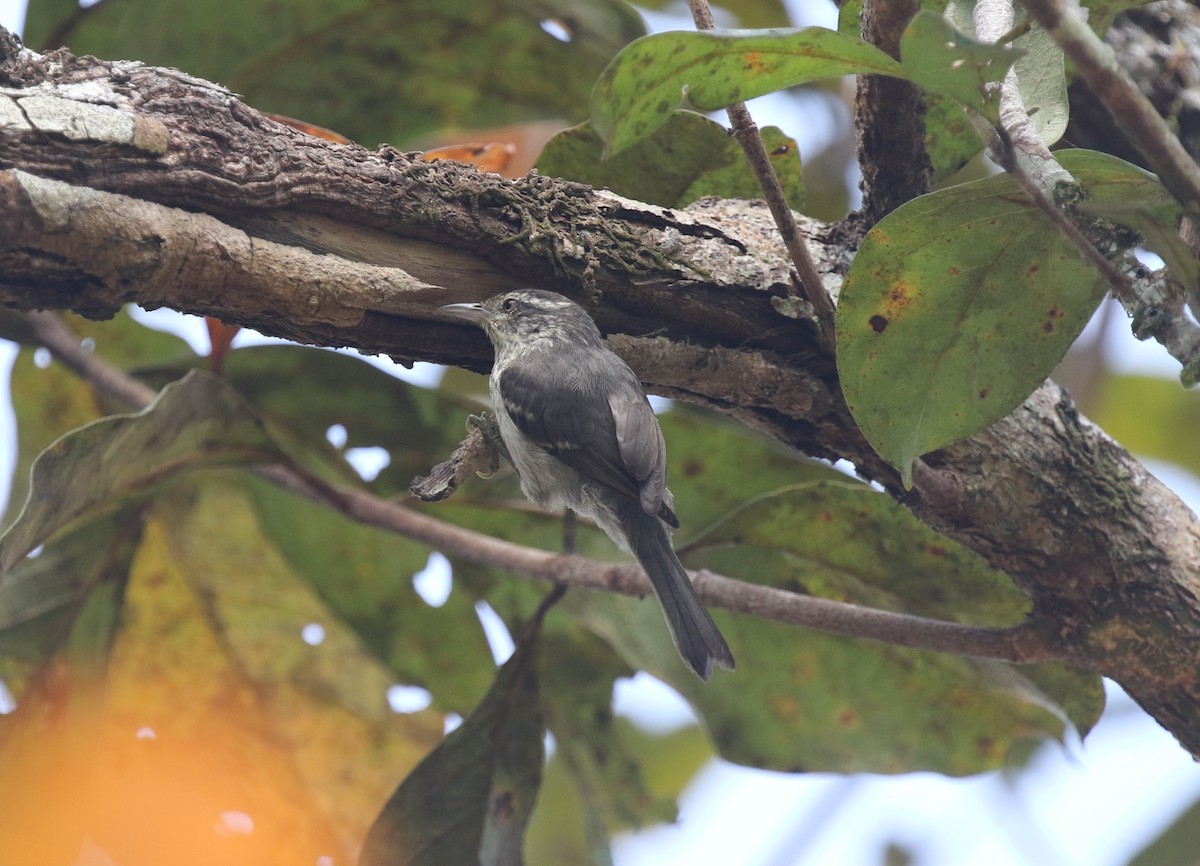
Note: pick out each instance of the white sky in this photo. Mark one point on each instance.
(12, 14)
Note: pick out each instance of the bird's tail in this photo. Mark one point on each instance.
(695, 634)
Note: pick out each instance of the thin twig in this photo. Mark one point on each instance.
(1097, 65)
(1024, 643)
(1017, 148)
(746, 132)
(107, 379)
(1007, 157)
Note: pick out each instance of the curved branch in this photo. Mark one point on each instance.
(1101, 547)
(1024, 643)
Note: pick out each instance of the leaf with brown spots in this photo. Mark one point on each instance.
(957, 306)
(653, 75)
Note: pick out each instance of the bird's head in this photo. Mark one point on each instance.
(529, 318)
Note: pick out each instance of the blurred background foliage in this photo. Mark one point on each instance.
(208, 669)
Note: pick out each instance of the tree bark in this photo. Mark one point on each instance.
(123, 183)
(889, 117)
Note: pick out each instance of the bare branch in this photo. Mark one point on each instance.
(108, 380)
(1025, 643)
(474, 456)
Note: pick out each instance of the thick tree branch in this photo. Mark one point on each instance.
(1159, 47)
(697, 299)
(890, 119)
(1025, 643)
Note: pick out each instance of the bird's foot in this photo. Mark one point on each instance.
(490, 428)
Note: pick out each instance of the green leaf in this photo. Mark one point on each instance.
(470, 799)
(952, 140)
(942, 60)
(1151, 416)
(802, 700)
(364, 575)
(654, 75)
(577, 673)
(1133, 197)
(42, 594)
(819, 702)
(598, 787)
(374, 70)
(668, 763)
(958, 305)
(51, 400)
(716, 465)
(303, 391)
(299, 392)
(686, 158)
(47, 402)
(848, 542)
(1041, 76)
(1042, 82)
(197, 421)
(850, 18)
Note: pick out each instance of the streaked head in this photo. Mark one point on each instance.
(528, 317)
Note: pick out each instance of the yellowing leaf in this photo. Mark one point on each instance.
(222, 737)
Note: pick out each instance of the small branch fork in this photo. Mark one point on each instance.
(1018, 149)
(1025, 643)
(746, 132)
(1098, 66)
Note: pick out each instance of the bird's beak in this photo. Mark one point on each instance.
(470, 312)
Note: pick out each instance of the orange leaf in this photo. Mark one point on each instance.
(220, 336)
(309, 128)
(493, 157)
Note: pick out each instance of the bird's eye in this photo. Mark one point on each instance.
(509, 305)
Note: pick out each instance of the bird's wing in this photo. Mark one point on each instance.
(608, 436)
(640, 444)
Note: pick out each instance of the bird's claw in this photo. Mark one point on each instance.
(488, 426)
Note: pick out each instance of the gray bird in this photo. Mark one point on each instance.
(582, 435)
